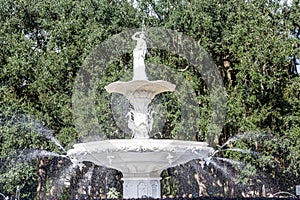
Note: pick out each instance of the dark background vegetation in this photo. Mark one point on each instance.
(253, 43)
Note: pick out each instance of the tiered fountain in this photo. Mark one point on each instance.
(140, 159)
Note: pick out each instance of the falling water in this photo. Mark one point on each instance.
(244, 151)
(222, 169)
(47, 133)
(238, 137)
(63, 178)
(218, 162)
(230, 161)
(31, 154)
(37, 126)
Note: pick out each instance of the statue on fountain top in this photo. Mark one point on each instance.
(139, 55)
(141, 45)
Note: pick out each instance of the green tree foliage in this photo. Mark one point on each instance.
(44, 44)
(251, 44)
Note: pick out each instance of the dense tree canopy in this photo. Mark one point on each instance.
(255, 45)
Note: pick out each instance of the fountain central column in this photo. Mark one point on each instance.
(140, 93)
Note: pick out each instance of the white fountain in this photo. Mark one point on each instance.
(140, 159)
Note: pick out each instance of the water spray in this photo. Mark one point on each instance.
(6, 198)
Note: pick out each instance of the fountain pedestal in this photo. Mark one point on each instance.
(138, 187)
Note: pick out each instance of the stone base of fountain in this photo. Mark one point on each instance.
(141, 161)
(141, 187)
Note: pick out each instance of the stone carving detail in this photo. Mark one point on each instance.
(154, 189)
(140, 123)
(151, 145)
(141, 189)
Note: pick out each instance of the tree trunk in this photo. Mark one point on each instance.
(41, 188)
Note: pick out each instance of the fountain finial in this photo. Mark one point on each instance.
(139, 55)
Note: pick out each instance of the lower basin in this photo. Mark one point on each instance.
(140, 155)
(141, 161)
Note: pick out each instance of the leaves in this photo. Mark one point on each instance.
(43, 44)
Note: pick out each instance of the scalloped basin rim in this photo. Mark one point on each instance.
(152, 87)
(139, 145)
